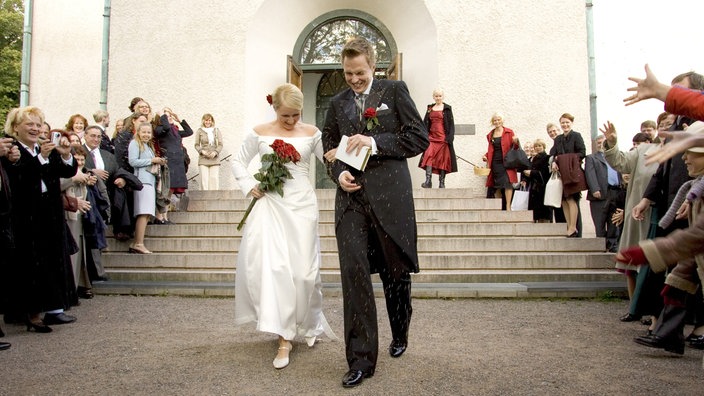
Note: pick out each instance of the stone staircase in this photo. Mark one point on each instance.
(468, 247)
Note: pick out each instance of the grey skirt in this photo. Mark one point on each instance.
(145, 201)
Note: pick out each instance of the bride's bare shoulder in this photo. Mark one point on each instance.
(308, 129)
(263, 129)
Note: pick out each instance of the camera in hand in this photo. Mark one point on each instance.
(55, 137)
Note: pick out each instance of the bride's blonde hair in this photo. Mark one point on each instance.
(287, 95)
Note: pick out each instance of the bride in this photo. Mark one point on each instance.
(278, 266)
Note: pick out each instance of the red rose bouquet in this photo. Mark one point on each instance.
(273, 173)
(370, 116)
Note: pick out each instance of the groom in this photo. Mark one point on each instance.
(374, 214)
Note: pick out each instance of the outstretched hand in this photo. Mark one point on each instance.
(678, 143)
(647, 88)
(609, 131)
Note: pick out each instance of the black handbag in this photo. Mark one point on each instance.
(517, 159)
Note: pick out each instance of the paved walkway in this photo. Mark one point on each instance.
(124, 345)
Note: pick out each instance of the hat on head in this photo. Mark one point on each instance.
(697, 127)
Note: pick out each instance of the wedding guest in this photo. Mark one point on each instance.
(374, 210)
(142, 157)
(77, 123)
(9, 154)
(501, 139)
(605, 184)
(102, 118)
(633, 163)
(536, 177)
(119, 125)
(439, 158)
(665, 121)
(121, 198)
(75, 186)
(102, 163)
(37, 270)
(278, 285)
(650, 128)
(209, 145)
(567, 154)
(169, 133)
(140, 107)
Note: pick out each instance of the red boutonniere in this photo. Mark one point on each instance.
(269, 99)
(370, 116)
(273, 173)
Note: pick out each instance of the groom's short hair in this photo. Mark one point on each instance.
(359, 46)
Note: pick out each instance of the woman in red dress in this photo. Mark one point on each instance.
(439, 157)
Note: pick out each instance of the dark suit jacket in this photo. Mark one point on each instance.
(111, 165)
(597, 175)
(386, 181)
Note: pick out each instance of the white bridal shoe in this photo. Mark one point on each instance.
(310, 341)
(280, 363)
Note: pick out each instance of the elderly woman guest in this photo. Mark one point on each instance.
(500, 139)
(537, 176)
(567, 154)
(36, 266)
(439, 158)
(142, 156)
(209, 145)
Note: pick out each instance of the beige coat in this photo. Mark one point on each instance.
(204, 147)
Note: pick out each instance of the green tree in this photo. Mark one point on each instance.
(11, 21)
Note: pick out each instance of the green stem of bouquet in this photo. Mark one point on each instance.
(246, 214)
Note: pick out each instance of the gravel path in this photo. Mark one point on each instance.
(124, 345)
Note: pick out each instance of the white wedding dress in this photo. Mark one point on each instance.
(278, 266)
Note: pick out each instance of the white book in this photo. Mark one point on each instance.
(357, 161)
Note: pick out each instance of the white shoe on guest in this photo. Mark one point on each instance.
(282, 362)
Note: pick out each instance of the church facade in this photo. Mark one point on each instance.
(525, 60)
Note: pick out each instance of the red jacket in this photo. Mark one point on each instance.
(686, 102)
(506, 143)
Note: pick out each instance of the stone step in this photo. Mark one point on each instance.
(197, 205)
(427, 261)
(327, 216)
(426, 244)
(418, 193)
(588, 289)
(424, 229)
(328, 276)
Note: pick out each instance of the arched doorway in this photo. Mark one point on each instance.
(317, 54)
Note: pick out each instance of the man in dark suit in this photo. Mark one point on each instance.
(374, 212)
(104, 165)
(604, 184)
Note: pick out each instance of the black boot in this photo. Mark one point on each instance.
(442, 179)
(428, 177)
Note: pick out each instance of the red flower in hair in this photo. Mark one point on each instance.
(269, 99)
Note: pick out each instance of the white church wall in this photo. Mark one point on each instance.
(525, 59)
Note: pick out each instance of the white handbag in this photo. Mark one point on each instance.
(553, 191)
(520, 199)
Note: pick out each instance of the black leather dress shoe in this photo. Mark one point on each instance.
(58, 319)
(5, 345)
(85, 293)
(696, 342)
(354, 377)
(629, 317)
(654, 341)
(397, 348)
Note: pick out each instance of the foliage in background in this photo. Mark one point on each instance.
(11, 21)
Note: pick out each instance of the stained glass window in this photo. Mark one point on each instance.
(324, 44)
